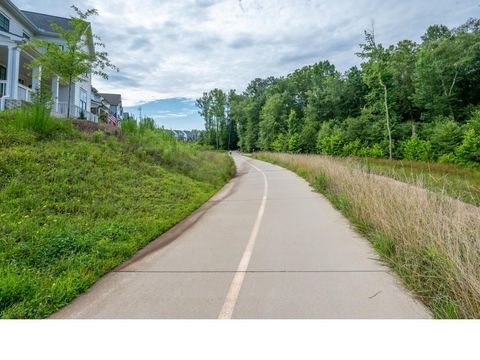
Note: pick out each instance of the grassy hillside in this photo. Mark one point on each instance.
(431, 240)
(459, 182)
(73, 207)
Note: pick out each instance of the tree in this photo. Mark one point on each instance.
(273, 120)
(378, 74)
(353, 93)
(204, 105)
(447, 63)
(404, 58)
(77, 56)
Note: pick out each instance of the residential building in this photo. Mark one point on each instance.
(115, 101)
(186, 135)
(17, 80)
(99, 105)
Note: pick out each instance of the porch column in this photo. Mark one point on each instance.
(36, 78)
(55, 92)
(13, 71)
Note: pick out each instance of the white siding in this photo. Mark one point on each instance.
(16, 27)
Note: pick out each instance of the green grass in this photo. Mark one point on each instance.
(460, 182)
(72, 208)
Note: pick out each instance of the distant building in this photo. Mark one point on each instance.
(115, 101)
(99, 106)
(186, 135)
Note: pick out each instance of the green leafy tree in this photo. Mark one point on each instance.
(404, 59)
(378, 76)
(76, 57)
(205, 107)
(293, 136)
(273, 120)
(446, 62)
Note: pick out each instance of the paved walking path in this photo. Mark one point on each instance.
(267, 246)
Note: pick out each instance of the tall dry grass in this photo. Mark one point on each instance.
(431, 240)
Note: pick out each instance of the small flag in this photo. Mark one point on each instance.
(113, 120)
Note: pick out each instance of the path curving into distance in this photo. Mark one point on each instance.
(266, 247)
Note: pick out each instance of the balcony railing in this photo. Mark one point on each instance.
(24, 93)
(3, 88)
(75, 112)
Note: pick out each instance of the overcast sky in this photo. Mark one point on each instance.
(180, 48)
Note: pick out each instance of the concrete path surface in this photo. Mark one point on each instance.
(266, 247)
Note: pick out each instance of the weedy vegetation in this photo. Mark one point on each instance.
(73, 207)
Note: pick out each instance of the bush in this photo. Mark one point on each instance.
(279, 144)
(468, 153)
(129, 126)
(330, 139)
(37, 119)
(448, 159)
(294, 143)
(147, 124)
(353, 148)
(445, 136)
(474, 122)
(97, 136)
(331, 145)
(376, 151)
(417, 149)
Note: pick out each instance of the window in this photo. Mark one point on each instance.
(83, 99)
(4, 23)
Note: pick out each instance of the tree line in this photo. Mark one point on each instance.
(414, 101)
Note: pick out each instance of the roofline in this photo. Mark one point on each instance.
(38, 13)
(19, 13)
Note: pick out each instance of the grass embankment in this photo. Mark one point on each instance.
(72, 208)
(431, 240)
(460, 182)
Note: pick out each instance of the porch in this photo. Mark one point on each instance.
(18, 83)
(14, 61)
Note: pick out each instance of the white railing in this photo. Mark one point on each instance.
(3, 88)
(75, 112)
(24, 93)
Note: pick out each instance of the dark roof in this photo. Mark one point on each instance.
(43, 21)
(112, 99)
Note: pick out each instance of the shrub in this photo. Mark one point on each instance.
(331, 145)
(474, 122)
(445, 136)
(417, 149)
(330, 139)
(448, 159)
(97, 136)
(376, 151)
(279, 144)
(37, 119)
(469, 151)
(294, 143)
(129, 126)
(147, 124)
(353, 148)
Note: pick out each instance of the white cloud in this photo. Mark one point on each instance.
(180, 48)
